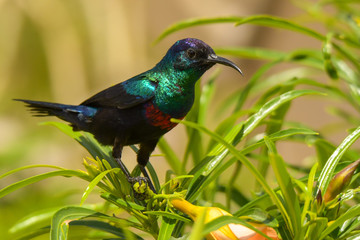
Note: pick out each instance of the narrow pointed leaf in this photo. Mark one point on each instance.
(282, 134)
(29, 167)
(170, 156)
(87, 141)
(121, 202)
(153, 175)
(168, 215)
(253, 53)
(291, 202)
(37, 178)
(195, 22)
(36, 220)
(349, 214)
(273, 104)
(277, 22)
(123, 233)
(166, 228)
(62, 218)
(330, 166)
(95, 182)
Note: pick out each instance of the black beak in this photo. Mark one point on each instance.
(212, 58)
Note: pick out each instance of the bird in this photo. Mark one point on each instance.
(139, 110)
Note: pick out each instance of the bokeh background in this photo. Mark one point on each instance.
(67, 50)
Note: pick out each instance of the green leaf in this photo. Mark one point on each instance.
(170, 156)
(195, 22)
(235, 195)
(65, 173)
(328, 61)
(153, 175)
(206, 96)
(333, 91)
(330, 166)
(251, 52)
(33, 233)
(260, 215)
(264, 20)
(198, 114)
(353, 212)
(309, 193)
(316, 228)
(308, 57)
(277, 22)
(253, 82)
(36, 220)
(262, 201)
(291, 202)
(62, 218)
(348, 226)
(168, 215)
(215, 175)
(202, 170)
(124, 233)
(122, 203)
(350, 76)
(272, 105)
(87, 141)
(95, 182)
(29, 167)
(166, 228)
(282, 134)
(224, 127)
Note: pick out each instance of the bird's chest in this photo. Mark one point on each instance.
(167, 104)
(157, 118)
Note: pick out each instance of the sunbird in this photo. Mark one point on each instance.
(139, 110)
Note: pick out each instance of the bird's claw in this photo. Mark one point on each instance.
(141, 187)
(139, 183)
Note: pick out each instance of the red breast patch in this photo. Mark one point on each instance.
(157, 118)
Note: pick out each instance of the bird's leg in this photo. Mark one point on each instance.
(117, 151)
(146, 148)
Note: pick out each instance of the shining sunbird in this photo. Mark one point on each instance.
(139, 110)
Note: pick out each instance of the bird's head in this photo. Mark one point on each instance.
(194, 56)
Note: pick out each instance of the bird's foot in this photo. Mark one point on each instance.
(141, 187)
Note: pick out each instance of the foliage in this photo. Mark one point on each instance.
(247, 138)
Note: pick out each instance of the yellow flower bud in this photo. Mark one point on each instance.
(227, 232)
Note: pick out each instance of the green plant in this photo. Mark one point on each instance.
(247, 138)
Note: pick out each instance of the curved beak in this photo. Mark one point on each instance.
(212, 58)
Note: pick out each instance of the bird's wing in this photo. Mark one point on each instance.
(125, 94)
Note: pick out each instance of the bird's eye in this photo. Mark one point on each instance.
(191, 53)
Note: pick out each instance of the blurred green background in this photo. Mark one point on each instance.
(67, 50)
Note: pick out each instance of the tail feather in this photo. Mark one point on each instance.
(78, 115)
(43, 109)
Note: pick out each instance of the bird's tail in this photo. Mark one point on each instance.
(78, 115)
